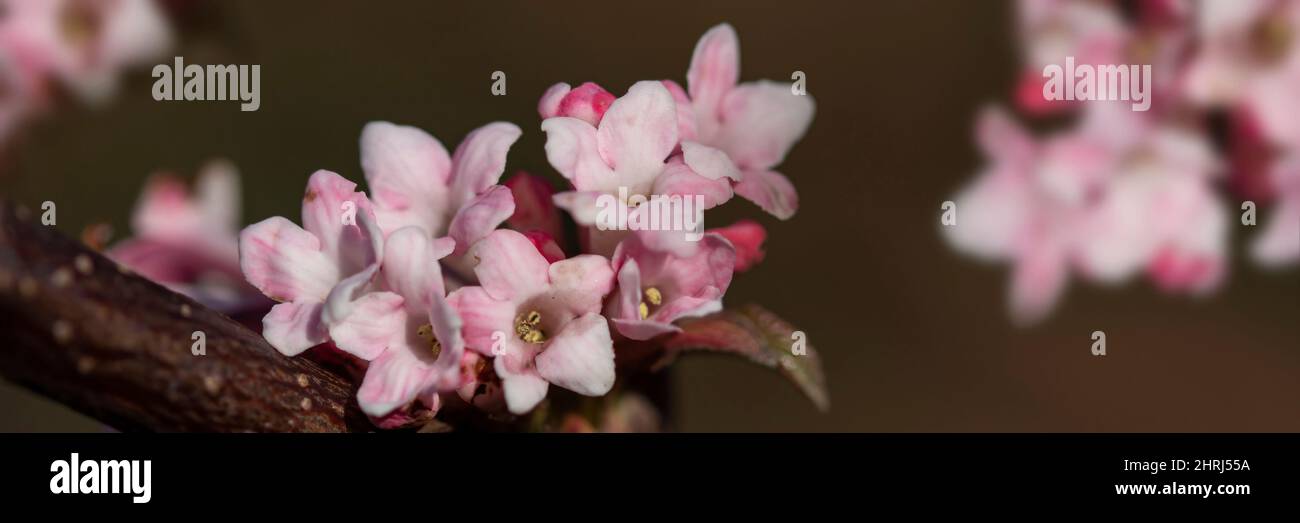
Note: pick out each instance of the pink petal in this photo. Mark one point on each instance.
(294, 327)
(639, 329)
(344, 297)
(1279, 244)
(624, 304)
(714, 70)
(582, 205)
(638, 133)
(762, 121)
(165, 210)
(992, 214)
(546, 245)
(392, 380)
(1038, 279)
(582, 281)
(709, 162)
(580, 357)
(571, 148)
(285, 262)
(1002, 139)
(549, 105)
(480, 159)
(342, 219)
(447, 326)
(482, 317)
(411, 268)
(377, 321)
(747, 236)
(509, 266)
(217, 191)
(480, 216)
(524, 388)
(686, 125)
(771, 191)
(679, 179)
(407, 171)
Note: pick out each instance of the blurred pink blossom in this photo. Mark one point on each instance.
(188, 243)
(1110, 199)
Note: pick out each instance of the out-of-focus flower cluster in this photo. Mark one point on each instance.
(1123, 193)
(443, 283)
(80, 46)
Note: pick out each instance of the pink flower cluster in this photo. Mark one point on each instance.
(1123, 193)
(446, 281)
(80, 45)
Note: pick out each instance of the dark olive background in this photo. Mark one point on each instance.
(914, 337)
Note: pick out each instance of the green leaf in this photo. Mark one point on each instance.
(759, 336)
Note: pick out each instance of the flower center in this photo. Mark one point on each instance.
(1271, 38)
(528, 327)
(654, 297)
(80, 23)
(426, 331)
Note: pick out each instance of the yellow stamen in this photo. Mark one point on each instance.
(528, 327)
(643, 310)
(654, 296)
(426, 331)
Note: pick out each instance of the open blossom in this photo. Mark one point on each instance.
(189, 244)
(1050, 30)
(657, 288)
(1097, 201)
(747, 127)
(414, 182)
(405, 328)
(1279, 243)
(316, 271)
(631, 149)
(1250, 57)
(540, 320)
(84, 43)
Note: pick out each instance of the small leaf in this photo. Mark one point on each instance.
(761, 337)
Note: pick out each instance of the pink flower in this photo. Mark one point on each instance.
(405, 327)
(85, 43)
(1279, 244)
(415, 183)
(318, 273)
(747, 127)
(1109, 200)
(189, 244)
(540, 320)
(1051, 30)
(656, 288)
(631, 149)
(1249, 57)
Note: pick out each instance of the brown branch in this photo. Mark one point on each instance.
(83, 331)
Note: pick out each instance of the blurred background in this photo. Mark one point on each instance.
(914, 336)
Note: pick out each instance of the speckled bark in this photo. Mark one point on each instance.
(117, 347)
